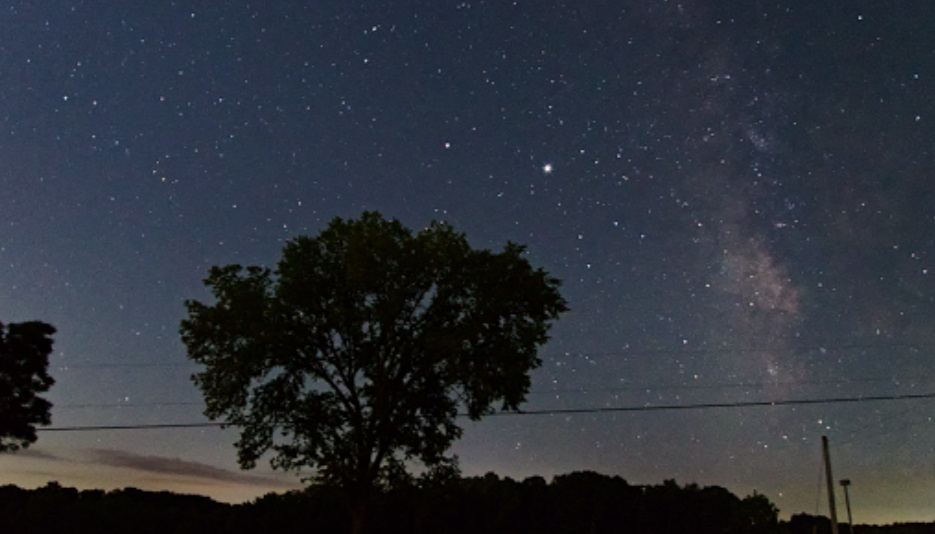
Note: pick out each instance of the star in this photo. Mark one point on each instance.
(699, 226)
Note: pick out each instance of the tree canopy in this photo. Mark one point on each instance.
(355, 355)
(24, 361)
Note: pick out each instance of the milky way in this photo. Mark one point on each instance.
(737, 196)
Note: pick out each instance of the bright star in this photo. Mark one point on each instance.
(547, 168)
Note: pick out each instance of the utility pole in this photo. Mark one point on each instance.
(830, 481)
(847, 501)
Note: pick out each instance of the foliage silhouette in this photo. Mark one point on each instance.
(582, 502)
(24, 361)
(355, 355)
(54, 508)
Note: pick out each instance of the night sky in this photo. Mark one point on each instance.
(737, 195)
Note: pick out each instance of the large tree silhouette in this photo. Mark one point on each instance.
(356, 354)
(24, 359)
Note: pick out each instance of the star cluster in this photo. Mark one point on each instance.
(737, 196)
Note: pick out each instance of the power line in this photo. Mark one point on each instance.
(122, 405)
(713, 405)
(831, 346)
(565, 411)
(570, 391)
(726, 385)
(122, 365)
(817, 347)
(91, 428)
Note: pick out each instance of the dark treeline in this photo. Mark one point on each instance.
(809, 524)
(580, 502)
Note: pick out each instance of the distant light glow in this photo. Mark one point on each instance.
(547, 168)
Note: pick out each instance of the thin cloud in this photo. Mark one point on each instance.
(40, 454)
(175, 466)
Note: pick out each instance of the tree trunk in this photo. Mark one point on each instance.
(358, 519)
(360, 510)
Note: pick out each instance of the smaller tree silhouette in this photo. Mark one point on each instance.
(24, 359)
(759, 513)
